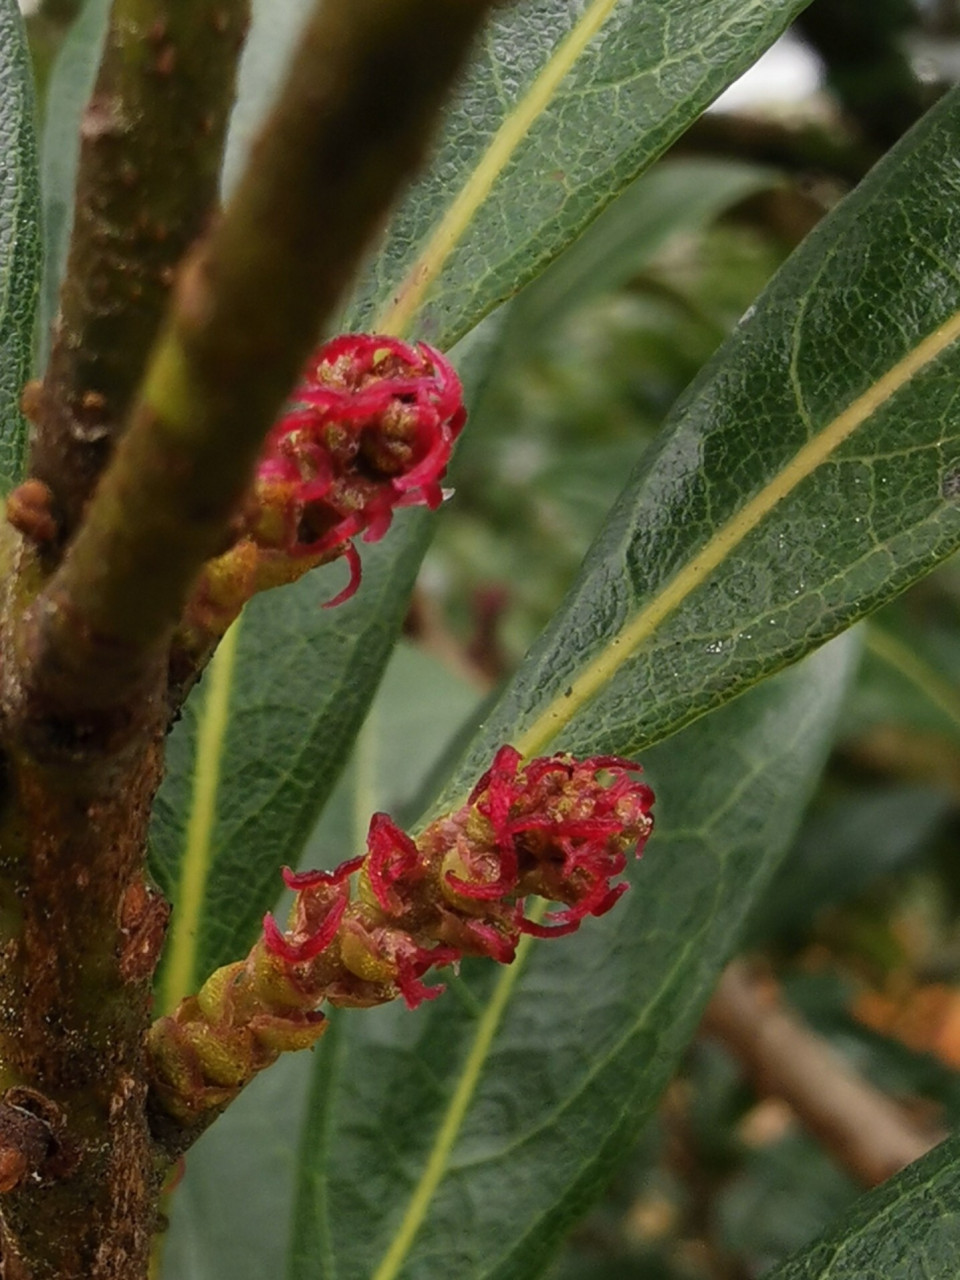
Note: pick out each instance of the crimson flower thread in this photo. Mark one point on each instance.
(373, 929)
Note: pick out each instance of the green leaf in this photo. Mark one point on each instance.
(71, 83)
(274, 27)
(843, 848)
(420, 707)
(230, 1217)
(539, 494)
(810, 473)
(909, 678)
(261, 743)
(565, 102)
(675, 198)
(907, 1228)
(464, 1138)
(20, 246)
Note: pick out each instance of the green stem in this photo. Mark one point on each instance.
(152, 136)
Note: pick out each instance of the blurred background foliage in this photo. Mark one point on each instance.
(858, 936)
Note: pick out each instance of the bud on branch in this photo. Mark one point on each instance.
(558, 827)
(370, 427)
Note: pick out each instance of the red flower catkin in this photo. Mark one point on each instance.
(369, 428)
(556, 827)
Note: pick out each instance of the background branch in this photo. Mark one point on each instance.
(865, 1132)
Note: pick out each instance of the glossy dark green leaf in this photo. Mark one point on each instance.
(463, 1138)
(565, 102)
(907, 1229)
(261, 743)
(20, 246)
(71, 84)
(809, 474)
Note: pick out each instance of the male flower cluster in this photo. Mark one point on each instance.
(370, 427)
(368, 932)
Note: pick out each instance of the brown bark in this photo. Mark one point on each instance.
(74, 1005)
(152, 137)
(867, 1133)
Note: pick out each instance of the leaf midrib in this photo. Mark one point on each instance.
(624, 644)
(398, 315)
(214, 719)
(457, 1108)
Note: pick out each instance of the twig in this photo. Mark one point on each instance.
(152, 137)
(338, 146)
(866, 1133)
